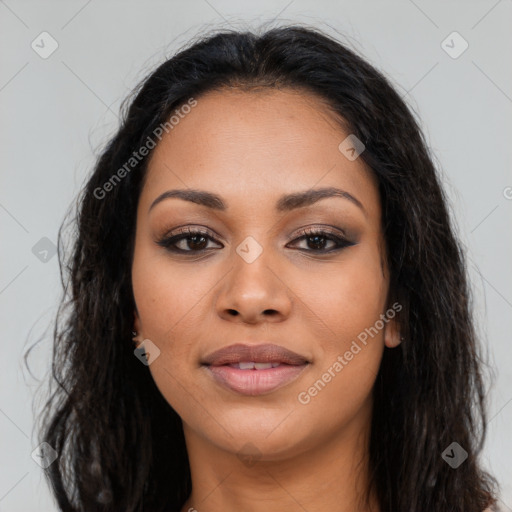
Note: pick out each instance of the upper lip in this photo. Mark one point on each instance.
(264, 353)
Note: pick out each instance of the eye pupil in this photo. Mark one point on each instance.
(194, 239)
(318, 245)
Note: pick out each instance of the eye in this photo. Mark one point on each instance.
(196, 240)
(319, 237)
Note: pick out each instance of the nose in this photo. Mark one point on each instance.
(254, 291)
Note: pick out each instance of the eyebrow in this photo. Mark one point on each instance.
(285, 203)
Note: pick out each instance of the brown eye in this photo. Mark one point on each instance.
(317, 239)
(195, 241)
(187, 241)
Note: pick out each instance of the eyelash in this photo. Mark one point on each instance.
(168, 242)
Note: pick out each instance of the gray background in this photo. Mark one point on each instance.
(56, 113)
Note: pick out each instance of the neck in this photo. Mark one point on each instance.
(331, 477)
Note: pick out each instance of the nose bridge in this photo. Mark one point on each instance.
(252, 267)
(253, 286)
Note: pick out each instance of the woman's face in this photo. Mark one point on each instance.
(252, 276)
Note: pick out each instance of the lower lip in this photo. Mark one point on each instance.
(255, 382)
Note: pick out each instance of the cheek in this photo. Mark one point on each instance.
(166, 294)
(347, 307)
(347, 301)
(167, 303)
(346, 298)
(340, 388)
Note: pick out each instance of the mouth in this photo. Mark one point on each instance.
(254, 370)
(251, 365)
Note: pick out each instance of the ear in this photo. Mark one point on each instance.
(392, 333)
(137, 327)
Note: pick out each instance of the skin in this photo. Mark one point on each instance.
(250, 148)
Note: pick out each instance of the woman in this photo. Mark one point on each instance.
(269, 229)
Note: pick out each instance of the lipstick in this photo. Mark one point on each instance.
(254, 369)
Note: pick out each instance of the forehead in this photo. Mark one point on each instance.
(253, 147)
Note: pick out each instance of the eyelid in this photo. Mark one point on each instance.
(326, 228)
(332, 233)
(189, 229)
(194, 229)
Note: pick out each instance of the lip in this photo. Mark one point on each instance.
(255, 382)
(263, 353)
(251, 381)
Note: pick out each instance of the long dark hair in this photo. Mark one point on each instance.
(120, 444)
